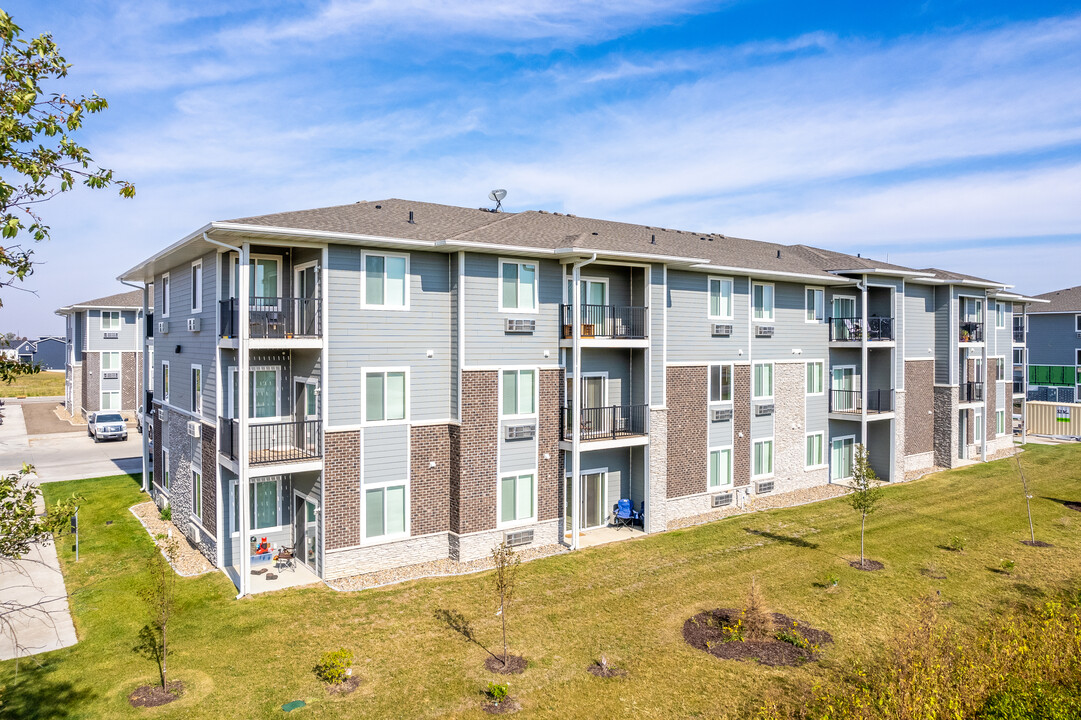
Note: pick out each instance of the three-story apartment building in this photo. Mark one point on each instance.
(392, 382)
(1053, 347)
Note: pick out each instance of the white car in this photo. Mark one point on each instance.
(106, 426)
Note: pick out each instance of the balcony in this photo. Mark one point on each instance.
(618, 322)
(149, 325)
(608, 423)
(271, 443)
(852, 401)
(1019, 336)
(274, 318)
(1018, 387)
(971, 392)
(851, 329)
(970, 332)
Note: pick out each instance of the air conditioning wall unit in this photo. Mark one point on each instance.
(194, 428)
(520, 432)
(163, 414)
(194, 324)
(720, 414)
(721, 329)
(763, 409)
(518, 538)
(519, 325)
(721, 500)
(163, 327)
(764, 488)
(111, 335)
(764, 330)
(110, 375)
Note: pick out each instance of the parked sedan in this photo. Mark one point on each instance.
(106, 426)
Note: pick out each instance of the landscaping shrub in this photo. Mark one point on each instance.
(957, 543)
(334, 667)
(498, 691)
(166, 513)
(1037, 702)
(757, 619)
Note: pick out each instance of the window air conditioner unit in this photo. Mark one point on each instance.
(518, 538)
(722, 329)
(193, 324)
(194, 428)
(112, 335)
(763, 409)
(721, 414)
(520, 432)
(519, 325)
(163, 327)
(763, 330)
(110, 375)
(764, 488)
(163, 414)
(721, 500)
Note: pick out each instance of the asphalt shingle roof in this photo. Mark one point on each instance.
(1066, 300)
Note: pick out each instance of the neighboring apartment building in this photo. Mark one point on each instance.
(1053, 345)
(48, 352)
(104, 354)
(393, 382)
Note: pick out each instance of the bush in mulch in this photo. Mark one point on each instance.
(344, 688)
(867, 564)
(603, 669)
(515, 664)
(499, 700)
(721, 633)
(155, 695)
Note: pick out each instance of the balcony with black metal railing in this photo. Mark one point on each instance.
(971, 391)
(970, 331)
(1018, 387)
(273, 318)
(613, 422)
(851, 329)
(616, 322)
(274, 442)
(854, 402)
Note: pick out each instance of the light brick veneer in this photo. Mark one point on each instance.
(657, 512)
(549, 471)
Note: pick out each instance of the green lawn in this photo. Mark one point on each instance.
(47, 383)
(243, 659)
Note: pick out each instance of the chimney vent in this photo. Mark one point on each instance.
(411, 218)
(778, 254)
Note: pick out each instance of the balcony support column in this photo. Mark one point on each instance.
(988, 386)
(576, 401)
(863, 363)
(242, 441)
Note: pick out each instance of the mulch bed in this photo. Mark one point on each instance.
(344, 688)
(606, 671)
(1036, 543)
(154, 695)
(508, 706)
(703, 631)
(868, 565)
(515, 664)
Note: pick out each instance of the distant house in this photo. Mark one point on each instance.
(48, 352)
(103, 356)
(1053, 344)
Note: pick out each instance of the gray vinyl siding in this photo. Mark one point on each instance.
(690, 330)
(361, 338)
(918, 340)
(816, 407)
(720, 433)
(384, 453)
(128, 341)
(878, 369)
(1052, 339)
(657, 304)
(310, 485)
(79, 335)
(945, 312)
(879, 443)
(616, 364)
(517, 455)
(1004, 335)
(486, 341)
(792, 331)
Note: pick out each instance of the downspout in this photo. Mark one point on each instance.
(231, 248)
(141, 332)
(576, 400)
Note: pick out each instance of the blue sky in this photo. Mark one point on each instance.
(937, 133)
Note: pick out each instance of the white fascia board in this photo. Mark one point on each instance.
(319, 236)
(569, 252)
(885, 271)
(139, 274)
(778, 274)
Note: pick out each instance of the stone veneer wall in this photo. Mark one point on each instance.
(129, 381)
(210, 479)
(657, 512)
(790, 431)
(341, 490)
(946, 440)
(157, 457)
(384, 556)
(919, 420)
(990, 400)
(77, 379)
(741, 421)
(687, 442)
(186, 453)
(91, 382)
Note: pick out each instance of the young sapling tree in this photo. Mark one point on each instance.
(505, 580)
(864, 494)
(159, 596)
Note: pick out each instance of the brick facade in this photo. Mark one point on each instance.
(919, 425)
(687, 449)
(479, 444)
(210, 479)
(741, 419)
(91, 382)
(990, 398)
(429, 487)
(552, 387)
(129, 381)
(341, 489)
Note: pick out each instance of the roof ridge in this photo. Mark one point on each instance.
(497, 220)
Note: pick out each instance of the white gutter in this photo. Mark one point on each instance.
(230, 248)
(576, 400)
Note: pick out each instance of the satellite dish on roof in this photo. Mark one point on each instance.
(497, 196)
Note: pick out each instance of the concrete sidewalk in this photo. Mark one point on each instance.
(34, 601)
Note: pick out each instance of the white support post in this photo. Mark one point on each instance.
(141, 401)
(987, 385)
(576, 405)
(863, 367)
(241, 441)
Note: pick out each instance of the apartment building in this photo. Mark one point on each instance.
(1053, 346)
(103, 356)
(392, 382)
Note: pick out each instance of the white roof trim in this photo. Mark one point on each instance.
(886, 271)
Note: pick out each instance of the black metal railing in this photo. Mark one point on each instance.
(228, 430)
(273, 318)
(150, 325)
(288, 441)
(1018, 387)
(972, 392)
(608, 423)
(623, 322)
(853, 401)
(850, 329)
(971, 331)
(1018, 335)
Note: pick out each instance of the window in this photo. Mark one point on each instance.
(197, 494)
(977, 427)
(1000, 368)
(1019, 356)
(516, 494)
(263, 395)
(385, 396)
(166, 472)
(1000, 315)
(1078, 358)
(1077, 323)
(165, 295)
(264, 281)
(815, 374)
(763, 458)
(110, 320)
(196, 389)
(165, 379)
(815, 455)
(110, 361)
(1000, 422)
(720, 467)
(720, 298)
(384, 281)
(763, 301)
(384, 511)
(110, 400)
(197, 286)
(263, 504)
(763, 381)
(720, 383)
(519, 392)
(518, 286)
(816, 305)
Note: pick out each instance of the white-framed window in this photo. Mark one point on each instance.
(1077, 323)
(720, 467)
(1000, 315)
(166, 295)
(720, 298)
(385, 281)
(720, 383)
(386, 395)
(815, 305)
(977, 426)
(1019, 356)
(518, 286)
(815, 455)
(1000, 368)
(165, 379)
(264, 281)
(1000, 422)
(762, 301)
(264, 504)
(110, 361)
(518, 392)
(385, 511)
(166, 471)
(264, 392)
(197, 389)
(517, 498)
(197, 286)
(762, 458)
(110, 320)
(110, 400)
(816, 370)
(842, 457)
(197, 493)
(762, 387)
